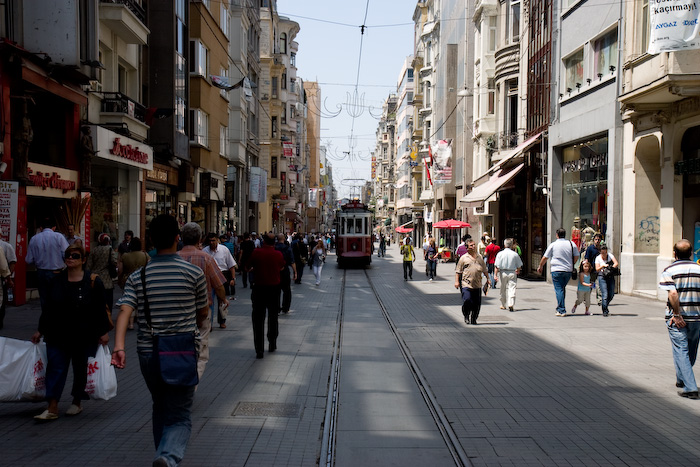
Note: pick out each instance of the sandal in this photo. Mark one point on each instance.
(74, 410)
(46, 415)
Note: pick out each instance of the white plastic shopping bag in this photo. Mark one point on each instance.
(22, 370)
(101, 375)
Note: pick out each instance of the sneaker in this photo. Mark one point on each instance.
(559, 314)
(510, 308)
(74, 410)
(689, 395)
(431, 280)
(160, 462)
(573, 310)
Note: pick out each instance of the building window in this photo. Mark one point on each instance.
(199, 58)
(646, 31)
(492, 96)
(410, 75)
(574, 69)
(274, 126)
(284, 79)
(283, 117)
(428, 53)
(293, 59)
(515, 21)
(224, 74)
(223, 20)
(207, 3)
(283, 43)
(123, 79)
(273, 87)
(223, 141)
(605, 53)
(273, 166)
(492, 34)
(199, 127)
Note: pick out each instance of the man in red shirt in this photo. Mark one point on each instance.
(491, 251)
(266, 264)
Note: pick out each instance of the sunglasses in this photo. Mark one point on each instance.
(74, 256)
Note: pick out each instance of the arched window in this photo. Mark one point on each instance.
(283, 43)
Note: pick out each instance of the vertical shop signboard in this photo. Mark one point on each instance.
(8, 211)
(85, 224)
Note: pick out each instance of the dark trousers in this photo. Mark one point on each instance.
(227, 285)
(300, 271)
(4, 304)
(471, 304)
(286, 286)
(266, 299)
(59, 358)
(43, 282)
(407, 270)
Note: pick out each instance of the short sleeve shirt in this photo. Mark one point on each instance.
(470, 270)
(562, 255)
(599, 261)
(176, 290)
(683, 276)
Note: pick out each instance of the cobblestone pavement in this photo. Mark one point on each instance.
(520, 388)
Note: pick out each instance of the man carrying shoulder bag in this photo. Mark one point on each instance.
(171, 301)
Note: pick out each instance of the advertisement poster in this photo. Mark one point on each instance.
(442, 167)
(8, 211)
(674, 25)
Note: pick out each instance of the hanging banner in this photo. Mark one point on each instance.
(258, 185)
(674, 25)
(287, 147)
(442, 154)
(9, 193)
(313, 197)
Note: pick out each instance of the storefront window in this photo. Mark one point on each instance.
(159, 200)
(585, 188)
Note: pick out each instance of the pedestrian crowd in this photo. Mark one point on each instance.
(172, 294)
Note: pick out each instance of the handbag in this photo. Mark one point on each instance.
(111, 267)
(574, 273)
(176, 353)
(101, 377)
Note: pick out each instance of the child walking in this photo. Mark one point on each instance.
(583, 293)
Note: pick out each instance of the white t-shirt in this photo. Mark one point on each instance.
(600, 261)
(562, 255)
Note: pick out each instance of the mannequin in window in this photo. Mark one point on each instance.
(587, 233)
(576, 232)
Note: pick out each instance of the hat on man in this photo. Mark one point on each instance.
(253, 233)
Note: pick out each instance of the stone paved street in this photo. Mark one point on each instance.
(520, 388)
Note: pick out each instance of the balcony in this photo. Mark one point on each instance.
(506, 140)
(127, 18)
(118, 109)
(507, 62)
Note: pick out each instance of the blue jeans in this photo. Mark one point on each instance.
(490, 267)
(560, 279)
(607, 291)
(432, 268)
(171, 412)
(684, 342)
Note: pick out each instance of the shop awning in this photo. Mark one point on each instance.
(517, 152)
(478, 196)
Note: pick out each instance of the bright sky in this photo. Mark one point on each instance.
(329, 52)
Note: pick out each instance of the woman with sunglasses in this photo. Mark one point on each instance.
(73, 324)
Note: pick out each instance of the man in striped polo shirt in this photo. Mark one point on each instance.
(682, 281)
(178, 302)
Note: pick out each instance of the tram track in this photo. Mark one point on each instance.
(329, 433)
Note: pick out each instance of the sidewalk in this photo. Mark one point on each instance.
(520, 388)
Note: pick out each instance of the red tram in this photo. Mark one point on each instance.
(354, 234)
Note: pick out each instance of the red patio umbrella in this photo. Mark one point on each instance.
(450, 224)
(403, 229)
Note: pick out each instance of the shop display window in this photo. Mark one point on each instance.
(585, 190)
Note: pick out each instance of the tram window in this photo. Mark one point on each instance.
(350, 226)
(358, 226)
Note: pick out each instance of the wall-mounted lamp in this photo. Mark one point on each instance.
(561, 95)
(588, 80)
(612, 68)
(465, 93)
(600, 75)
(568, 90)
(578, 86)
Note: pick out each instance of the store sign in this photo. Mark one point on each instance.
(8, 211)
(54, 182)
(586, 163)
(118, 148)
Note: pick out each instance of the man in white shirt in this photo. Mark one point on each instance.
(256, 240)
(563, 255)
(45, 251)
(507, 267)
(227, 266)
